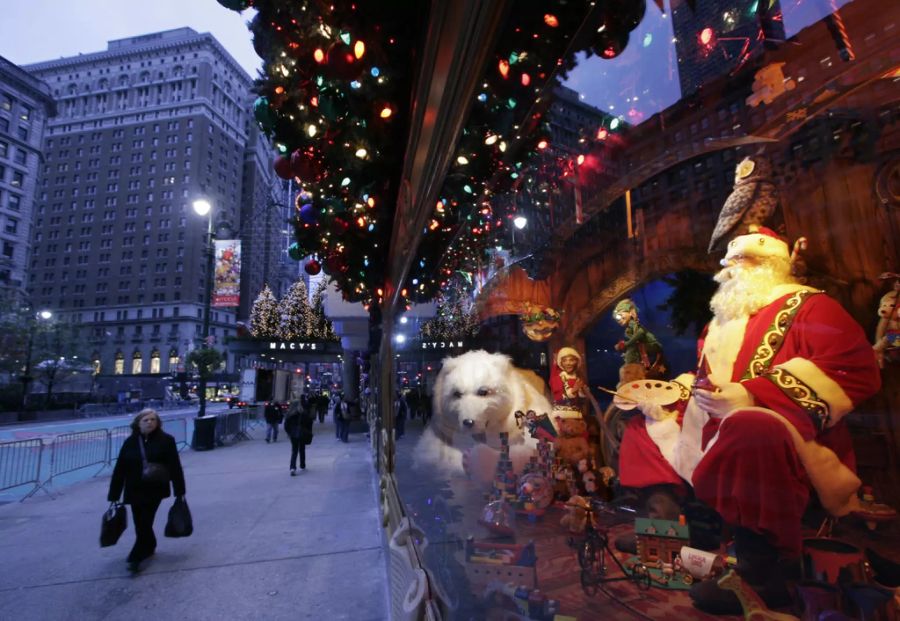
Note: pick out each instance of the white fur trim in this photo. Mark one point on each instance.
(688, 451)
(827, 389)
(567, 351)
(664, 434)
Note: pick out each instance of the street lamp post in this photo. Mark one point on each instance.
(202, 207)
(26, 375)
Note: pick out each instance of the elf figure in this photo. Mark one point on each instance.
(565, 383)
(640, 345)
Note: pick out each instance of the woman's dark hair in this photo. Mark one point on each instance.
(135, 423)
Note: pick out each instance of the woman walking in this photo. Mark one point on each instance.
(147, 468)
(298, 426)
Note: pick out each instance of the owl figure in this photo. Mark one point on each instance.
(752, 202)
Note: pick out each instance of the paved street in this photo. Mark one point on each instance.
(265, 545)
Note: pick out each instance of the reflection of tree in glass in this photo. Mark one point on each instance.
(322, 327)
(688, 303)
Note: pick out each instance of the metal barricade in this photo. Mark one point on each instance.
(117, 437)
(20, 464)
(82, 449)
(244, 418)
(254, 416)
(220, 429)
(233, 425)
(177, 428)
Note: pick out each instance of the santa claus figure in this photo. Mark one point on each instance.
(781, 365)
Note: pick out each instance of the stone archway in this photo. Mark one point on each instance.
(611, 281)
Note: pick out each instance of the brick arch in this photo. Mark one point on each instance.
(607, 281)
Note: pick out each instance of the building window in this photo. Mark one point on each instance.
(154, 362)
(119, 368)
(137, 363)
(173, 360)
(12, 225)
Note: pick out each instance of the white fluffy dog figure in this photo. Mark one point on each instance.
(475, 398)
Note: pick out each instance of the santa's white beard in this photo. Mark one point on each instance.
(746, 288)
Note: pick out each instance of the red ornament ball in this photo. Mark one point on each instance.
(283, 167)
(312, 268)
(305, 166)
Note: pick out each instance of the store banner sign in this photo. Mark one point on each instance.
(227, 288)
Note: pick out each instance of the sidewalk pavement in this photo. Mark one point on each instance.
(265, 545)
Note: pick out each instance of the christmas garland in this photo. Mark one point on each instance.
(334, 95)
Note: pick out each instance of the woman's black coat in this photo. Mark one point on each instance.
(161, 449)
(299, 424)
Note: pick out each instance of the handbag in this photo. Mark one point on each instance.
(306, 436)
(180, 523)
(152, 472)
(113, 524)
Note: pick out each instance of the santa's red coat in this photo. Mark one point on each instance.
(751, 473)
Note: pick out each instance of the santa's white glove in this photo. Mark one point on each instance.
(652, 410)
(729, 397)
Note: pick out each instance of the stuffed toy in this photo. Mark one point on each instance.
(476, 396)
(572, 445)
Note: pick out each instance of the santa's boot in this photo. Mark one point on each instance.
(760, 567)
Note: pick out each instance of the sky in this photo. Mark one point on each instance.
(643, 79)
(38, 30)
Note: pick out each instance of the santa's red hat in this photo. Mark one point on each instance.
(762, 243)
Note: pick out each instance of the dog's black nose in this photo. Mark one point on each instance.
(469, 423)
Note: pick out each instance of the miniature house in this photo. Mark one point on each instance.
(659, 540)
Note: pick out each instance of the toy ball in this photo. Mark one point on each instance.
(498, 517)
(308, 214)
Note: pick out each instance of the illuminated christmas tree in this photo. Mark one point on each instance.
(455, 317)
(322, 329)
(295, 313)
(264, 318)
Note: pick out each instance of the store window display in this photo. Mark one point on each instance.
(781, 365)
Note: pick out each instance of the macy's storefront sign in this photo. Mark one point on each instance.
(442, 344)
(291, 346)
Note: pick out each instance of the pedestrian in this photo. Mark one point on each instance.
(345, 415)
(298, 426)
(145, 487)
(400, 412)
(273, 419)
(322, 406)
(338, 418)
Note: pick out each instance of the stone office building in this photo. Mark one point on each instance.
(25, 105)
(143, 129)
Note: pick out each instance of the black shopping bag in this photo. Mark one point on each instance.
(179, 523)
(113, 524)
